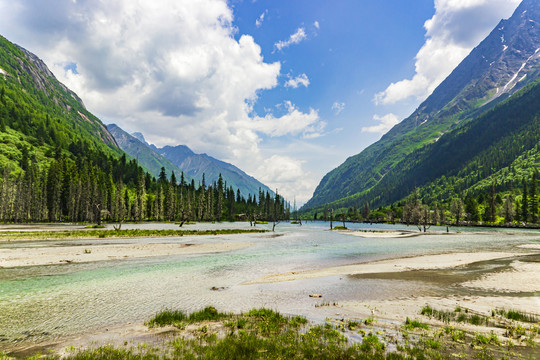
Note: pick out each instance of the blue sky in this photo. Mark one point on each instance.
(286, 90)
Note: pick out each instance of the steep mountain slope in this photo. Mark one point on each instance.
(506, 61)
(147, 158)
(489, 150)
(198, 164)
(39, 116)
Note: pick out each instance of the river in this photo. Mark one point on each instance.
(47, 303)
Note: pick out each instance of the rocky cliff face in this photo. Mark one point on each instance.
(506, 61)
(24, 71)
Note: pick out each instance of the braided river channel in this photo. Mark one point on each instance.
(46, 303)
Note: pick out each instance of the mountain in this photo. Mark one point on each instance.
(499, 148)
(180, 158)
(196, 165)
(135, 145)
(139, 136)
(502, 64)
(40, 117)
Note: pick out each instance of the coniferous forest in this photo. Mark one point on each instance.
(119, 190)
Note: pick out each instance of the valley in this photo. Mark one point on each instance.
(173, 232)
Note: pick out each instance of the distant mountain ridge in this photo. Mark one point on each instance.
(181, 158)
(502, 64)
(196, 165)
(139, 149)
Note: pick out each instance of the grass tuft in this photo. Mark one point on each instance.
(458, 315)
(166, 317)
(414, 324)
(518, 315)
(209, 313)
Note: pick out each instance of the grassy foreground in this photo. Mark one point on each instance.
(93, 234)
(266, 334)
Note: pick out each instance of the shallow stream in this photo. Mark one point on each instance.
(45, 303)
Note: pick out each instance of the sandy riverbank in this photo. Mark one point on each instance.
(521, 277)
(519, 282)
(17, 257)
(397, 310)
(424, 262)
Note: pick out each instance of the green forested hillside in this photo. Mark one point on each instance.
(496, 151)
(58, 162)
(39, 116)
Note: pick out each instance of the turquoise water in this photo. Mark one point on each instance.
(43, 303)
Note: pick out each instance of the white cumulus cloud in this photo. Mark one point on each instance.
(288, 177)
(338, 107)
(386, 122)
(295, 38)
(294, 122)
(455, 29)
(300, 80)
(176, 71)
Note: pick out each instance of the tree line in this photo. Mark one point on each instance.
(116, 189)
(515, 207)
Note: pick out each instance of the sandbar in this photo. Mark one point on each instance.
(424, 262)
(399, 309)
(521, 277)
(530, 246)
(35, 256)
(383, 234)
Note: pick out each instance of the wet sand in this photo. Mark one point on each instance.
(35, 256)
(441, 261)
(521, 277)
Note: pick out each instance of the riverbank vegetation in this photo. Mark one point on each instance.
(128, 233)
(266, 334)
(517, 207)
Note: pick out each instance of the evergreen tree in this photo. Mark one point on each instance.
(471, 209)
(492, 208)
(524, 203)
(508, 210)
(219, 209)
(141, 196)
(162, 178)
(365, 211)
(457, 209)
(533, 198)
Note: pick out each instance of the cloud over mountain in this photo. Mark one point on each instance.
(456, 27)
(175, 70)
